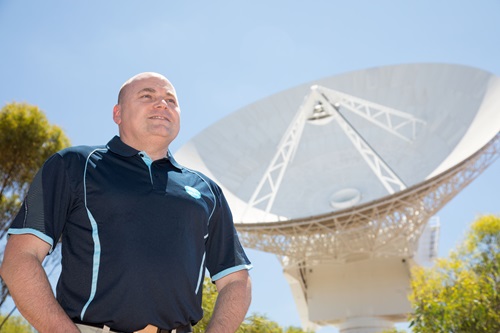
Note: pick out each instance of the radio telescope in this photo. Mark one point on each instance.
(340, 177)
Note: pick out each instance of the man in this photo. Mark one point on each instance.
(137, 231)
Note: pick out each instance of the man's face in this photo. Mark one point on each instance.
(148, 112)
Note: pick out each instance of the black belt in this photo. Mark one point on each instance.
(181, 329)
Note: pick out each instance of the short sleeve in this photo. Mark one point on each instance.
(44, 210)
(225, 254)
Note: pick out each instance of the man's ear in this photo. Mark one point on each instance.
(117, 114)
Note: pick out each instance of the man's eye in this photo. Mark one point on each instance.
(171, 100)
(146, 96)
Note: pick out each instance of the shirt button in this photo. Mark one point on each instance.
(156, 175)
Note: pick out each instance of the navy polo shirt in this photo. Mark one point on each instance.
(136, 234)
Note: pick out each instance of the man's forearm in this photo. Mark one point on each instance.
(231, 307)
(32, 293)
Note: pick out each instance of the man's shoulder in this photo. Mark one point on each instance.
(72, 158)
(197, 173)
(209, 181)
(80, 151)
(76, 155)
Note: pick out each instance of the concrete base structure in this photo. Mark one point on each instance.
(365, 296)
(365, 325)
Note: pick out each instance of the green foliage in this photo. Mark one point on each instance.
(252, 324)
(257, 323)
(462, 293)
(209, 298)
(292, 329)
(261, 324)
(15, 324)
(26, 141)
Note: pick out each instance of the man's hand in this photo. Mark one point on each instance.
(25, 277)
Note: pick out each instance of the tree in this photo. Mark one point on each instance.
(15, 324)
(252, 324)
(462, 293)
(26, 141)
(208, 303)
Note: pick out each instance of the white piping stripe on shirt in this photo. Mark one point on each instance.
(201, 271)
(95, 237)
(208, 185)
(200, 274)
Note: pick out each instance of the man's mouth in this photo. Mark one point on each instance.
(158, 117)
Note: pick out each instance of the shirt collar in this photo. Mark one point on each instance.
(117, 146)
(173, 161)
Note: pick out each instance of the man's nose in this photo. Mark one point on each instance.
(161, 103)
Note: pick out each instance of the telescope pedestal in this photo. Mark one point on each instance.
(365, 325)
(365, 296)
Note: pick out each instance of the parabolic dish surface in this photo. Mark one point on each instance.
(458, 109)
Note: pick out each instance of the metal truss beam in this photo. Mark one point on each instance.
(393, 121)
(268, 187)
(391, 182)
(401, 124)
(390, 226)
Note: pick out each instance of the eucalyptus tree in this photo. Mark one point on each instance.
(27, 139)
(461, 293)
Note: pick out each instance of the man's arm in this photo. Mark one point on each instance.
(235, 294)
(25, 277)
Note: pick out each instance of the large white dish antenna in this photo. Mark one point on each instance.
(385, 130)
(340, 176)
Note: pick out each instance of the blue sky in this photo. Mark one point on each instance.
(70, 57)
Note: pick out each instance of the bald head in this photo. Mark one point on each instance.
(138, 77)
(148, 114)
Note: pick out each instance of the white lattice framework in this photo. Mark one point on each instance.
(322, 104)
(389, 226)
